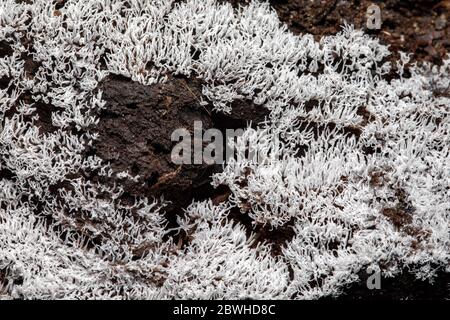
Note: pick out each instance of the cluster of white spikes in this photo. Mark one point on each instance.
(353, 149)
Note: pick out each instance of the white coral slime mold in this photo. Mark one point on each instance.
(221, 262)
(351, 149)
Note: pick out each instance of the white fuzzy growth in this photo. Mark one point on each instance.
(219, 262)
(316, 176)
